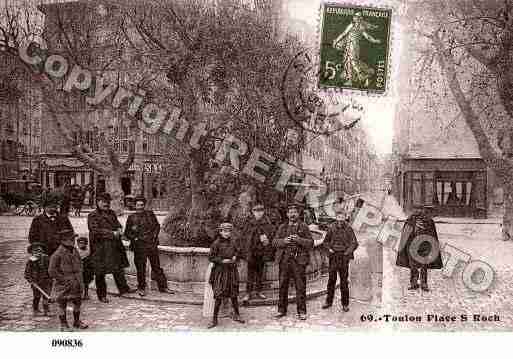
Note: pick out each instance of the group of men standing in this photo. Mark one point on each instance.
(290, 245)
(106, 249)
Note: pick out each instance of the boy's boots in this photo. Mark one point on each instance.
(46, 310)
(64, 323)
(217, 306)
(77, 323)
(35, 306)
(86, 293)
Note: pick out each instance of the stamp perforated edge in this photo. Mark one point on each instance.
(392, 53)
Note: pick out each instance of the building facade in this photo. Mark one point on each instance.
(90, 127)
(20, 121)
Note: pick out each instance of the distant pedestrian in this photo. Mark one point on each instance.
(142, 229)
(340, 243)
(419, 248)
(107, 250)
(258, 233)
(46, 226)
(84, 251)
(66, 269)
(293, 241)
(224, 276)
(36, 273)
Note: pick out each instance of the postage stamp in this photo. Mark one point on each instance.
(354, 47)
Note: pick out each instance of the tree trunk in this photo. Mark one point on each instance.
(113, 187)
(197, 220)
(507, 220)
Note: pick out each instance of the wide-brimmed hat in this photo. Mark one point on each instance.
(35, 245)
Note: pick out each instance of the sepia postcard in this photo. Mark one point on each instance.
(206, 166)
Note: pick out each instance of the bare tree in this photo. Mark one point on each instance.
(465, 50)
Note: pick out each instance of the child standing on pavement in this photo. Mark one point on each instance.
(66, 269)
(224, 276)
(36, 273)
(87, 264)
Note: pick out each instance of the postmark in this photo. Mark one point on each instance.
(354, 52)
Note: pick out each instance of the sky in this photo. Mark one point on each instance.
(380, 111)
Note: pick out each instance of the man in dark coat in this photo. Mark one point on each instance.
(258, 232)
(142, 229)
(340, 243)
(66, 268)
(46, 226)
(293, 241)
(107, 250)
(419, 248)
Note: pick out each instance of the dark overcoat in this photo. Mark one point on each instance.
(66, 268)
(251, 245)
(46, 231)
(303, 246)
(142, 229)
(36, 271)
(417, 225)
(340, 239)
(224, 277)
(107, 251)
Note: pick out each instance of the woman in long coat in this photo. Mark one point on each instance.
(419, 230)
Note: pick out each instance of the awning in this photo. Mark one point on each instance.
(63, 162)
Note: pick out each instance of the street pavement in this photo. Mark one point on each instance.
(481, 239)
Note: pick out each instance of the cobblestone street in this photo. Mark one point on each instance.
(128, 314)
(448, 295)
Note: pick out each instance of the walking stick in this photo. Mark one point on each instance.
(42, 291)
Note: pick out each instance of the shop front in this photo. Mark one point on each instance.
(453, 187)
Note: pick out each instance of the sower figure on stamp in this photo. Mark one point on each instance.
(293, 241)
(142, 229)
(87, 264)
(45, 227)
(66, 269)
(224, 277)
(36, 273)
(107, 250)
(259, 232)
(340, 243)
(419, 248)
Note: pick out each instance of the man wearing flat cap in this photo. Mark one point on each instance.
(340, 243)
(45, 227)
(258, 233)
(142, 229)
(107, 250)
(293, 241)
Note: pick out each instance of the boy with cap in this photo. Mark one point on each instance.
(224, 277)
(87, 264)
(293, 241)
(340, 243)
(36, 273)
(259, 232)
(66, 269)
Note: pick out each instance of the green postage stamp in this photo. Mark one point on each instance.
(355, 44)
